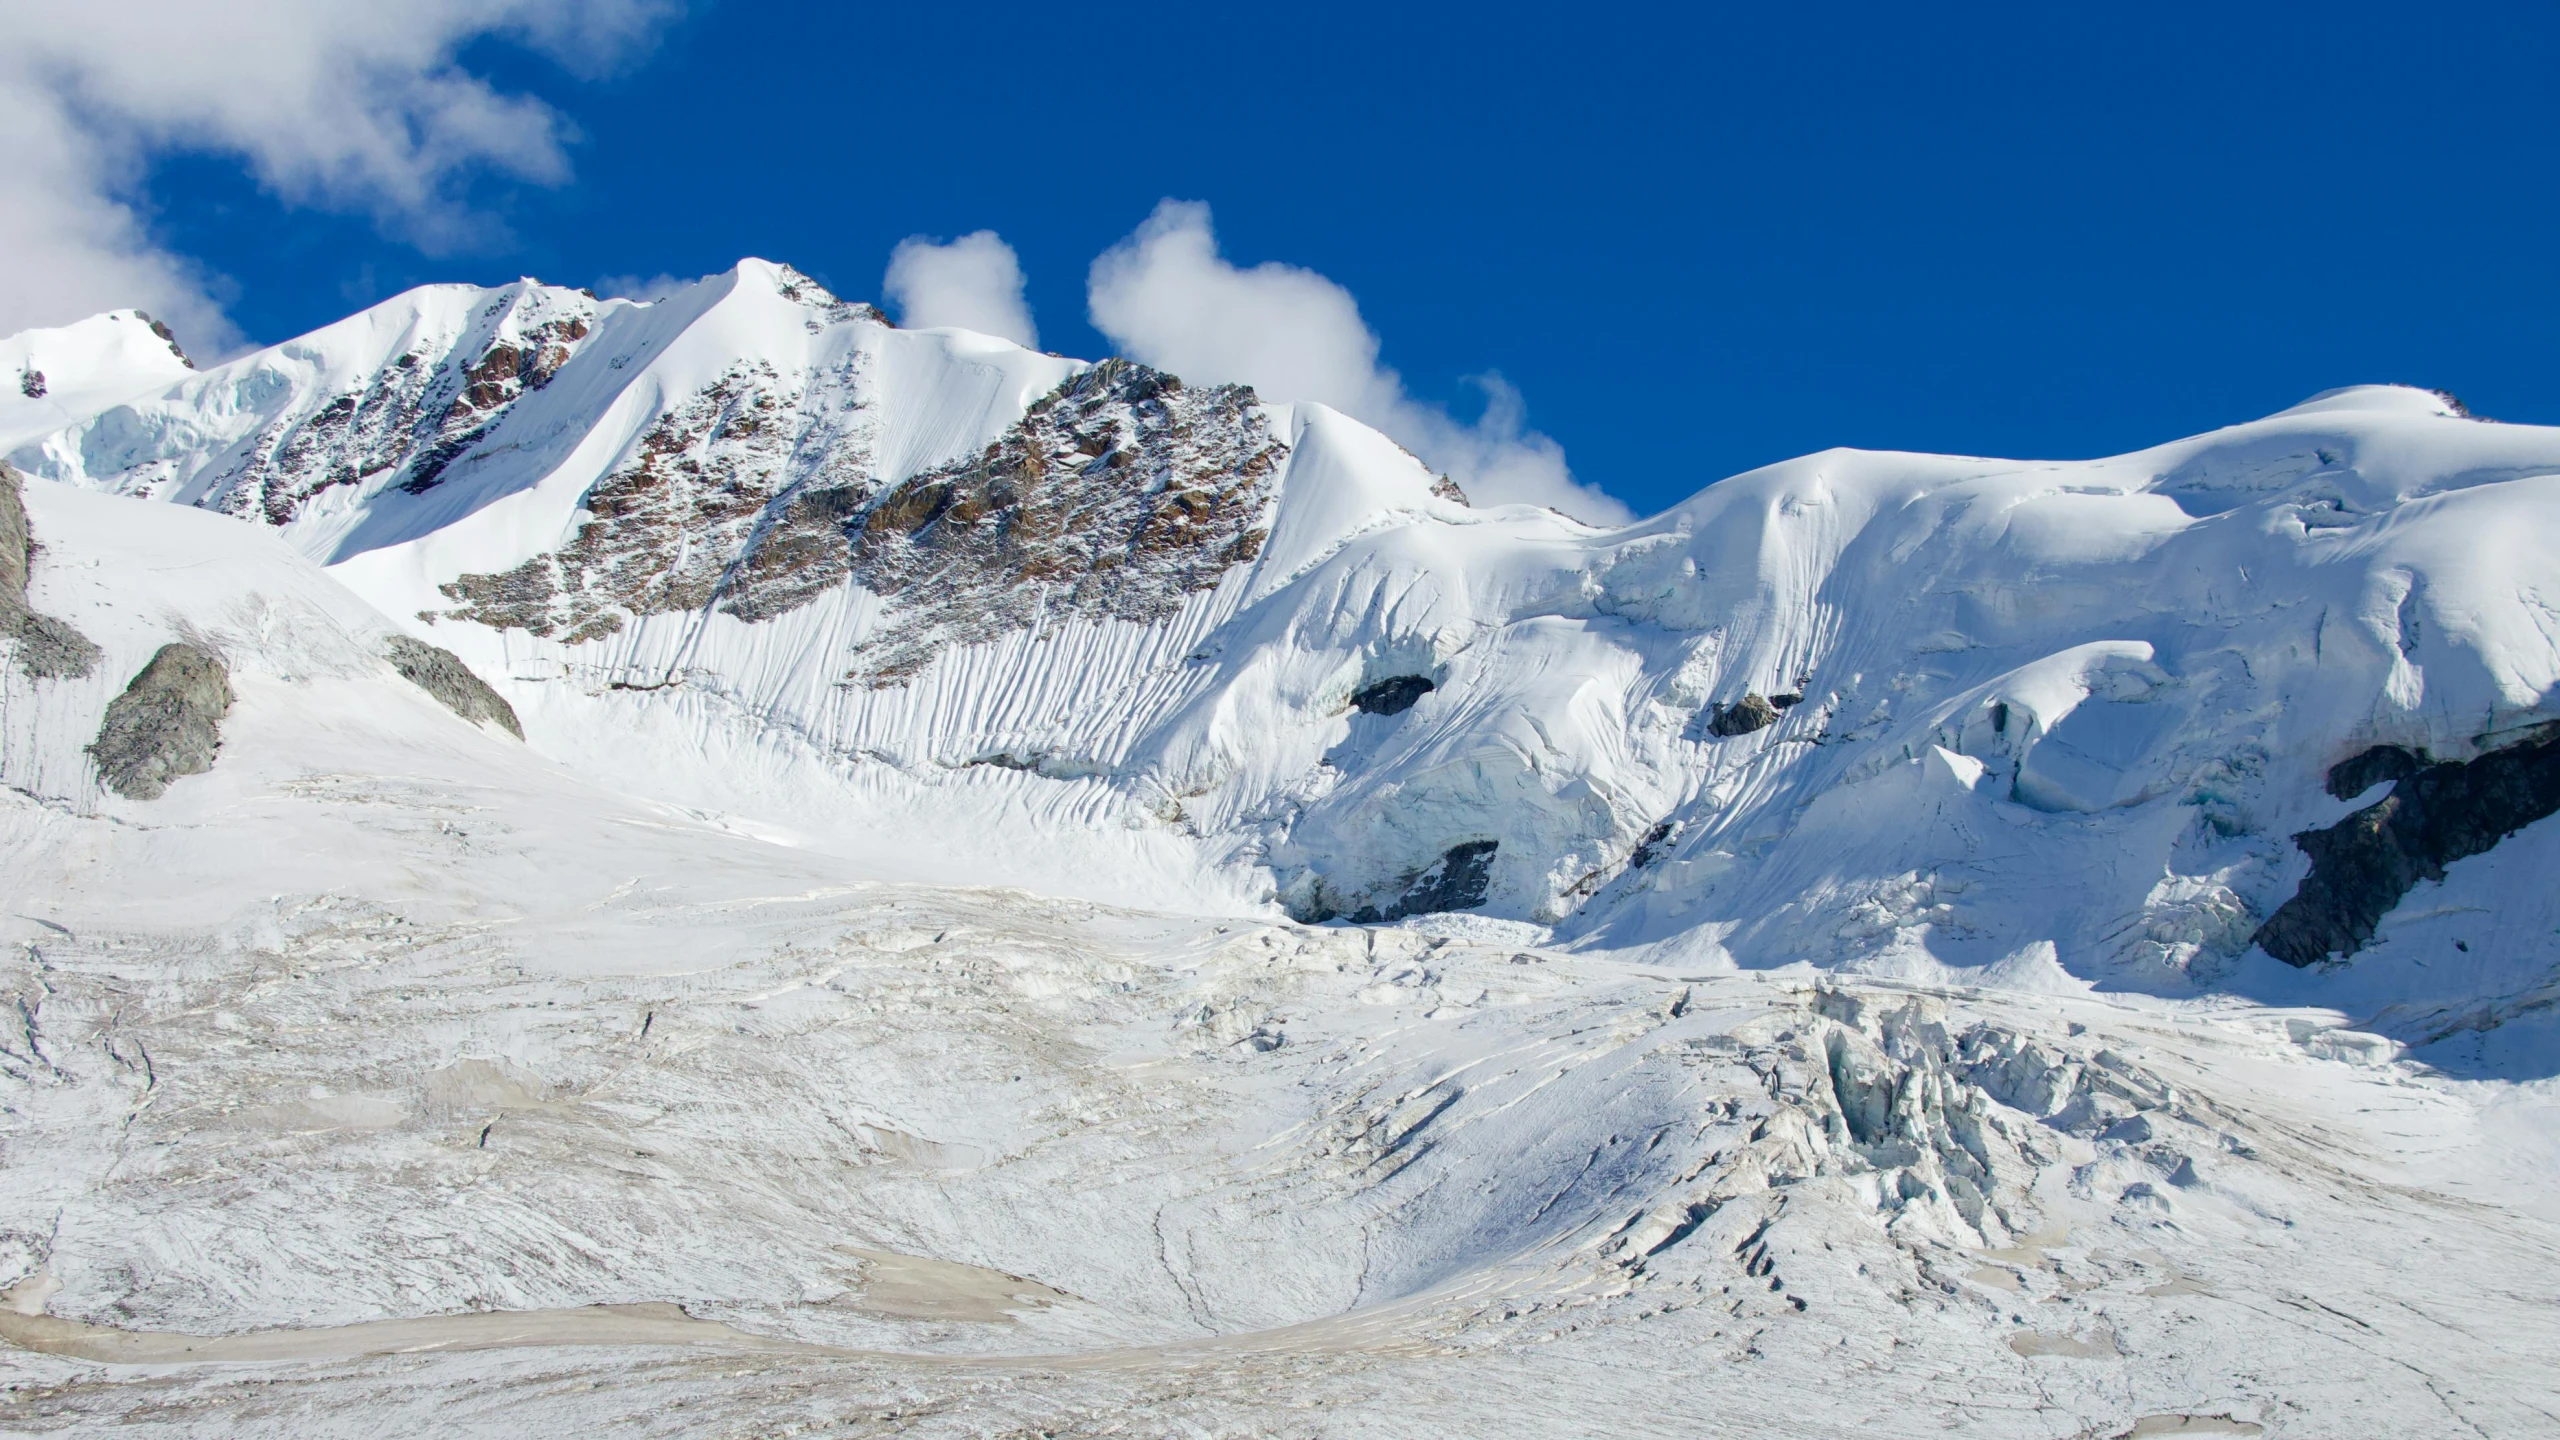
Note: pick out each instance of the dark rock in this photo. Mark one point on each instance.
(441, 673)
(167, 336)
(1455, 881)
(2435, 814)
(1787, 701)
(2352, 777)
(1749, 713)
(31, 383)
(166, 724)
(1447, 489)
(1656, 842)
(1393, 695)
(47, 649)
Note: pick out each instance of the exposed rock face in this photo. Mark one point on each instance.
(2352, 777)
(46, 648)
(1751, 712)
(2435, 814)
(442, 674)
(1392, 696)
(1119, 493)
(666, 527)
(167, 336)
(166, 724)
(417, 415)
(1455, 881)
(1655, 844)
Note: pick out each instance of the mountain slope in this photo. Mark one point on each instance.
(754, 550)
(1804, 981)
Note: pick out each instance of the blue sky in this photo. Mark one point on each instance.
(1696, 240)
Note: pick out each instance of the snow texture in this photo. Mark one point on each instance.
(1801, 973)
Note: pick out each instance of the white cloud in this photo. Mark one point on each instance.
(975, 283)
(1166, 297)
(356, 106)
(648, 291)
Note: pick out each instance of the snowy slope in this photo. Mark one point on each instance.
(867, 998)
(753, 550)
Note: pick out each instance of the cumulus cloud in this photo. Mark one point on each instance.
(352, 106)
(1166, 297)
(974, 283)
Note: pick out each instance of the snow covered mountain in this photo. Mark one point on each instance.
(529, 715)
(753, 549)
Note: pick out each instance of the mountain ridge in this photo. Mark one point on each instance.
(966, 892)
(1101, 603)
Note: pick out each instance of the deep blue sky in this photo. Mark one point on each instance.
(1698, 240)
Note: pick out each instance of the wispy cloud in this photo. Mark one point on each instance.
(974, 283)
(1167, 297)
(362, 107)
(648, 290)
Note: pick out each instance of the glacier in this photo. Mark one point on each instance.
(1021, 885)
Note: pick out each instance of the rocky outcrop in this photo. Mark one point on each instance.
(1115, 496)
(166, 724)
(44, 648)
(442, 674)
(1392, 696)
(167, 336)
(1655, 844)
(415, 417)
(2435, 814)
(1119, 493)
(1752, 712)
(665, 528)
(2380, 765)
(1457, 880)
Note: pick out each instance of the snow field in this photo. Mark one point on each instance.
(950, 1044)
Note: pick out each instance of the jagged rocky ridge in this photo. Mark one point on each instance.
(409, 421)
(1119, 493)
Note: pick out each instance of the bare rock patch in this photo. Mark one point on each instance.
(47, 648)
(441, 673)
(2435, 814)
(1751, 712)
(166, 724)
